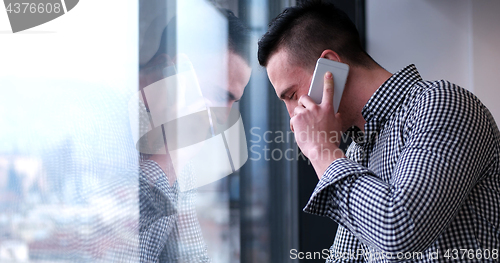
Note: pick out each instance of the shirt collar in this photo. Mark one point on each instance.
(390, 95)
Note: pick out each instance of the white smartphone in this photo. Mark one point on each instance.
(339, 72)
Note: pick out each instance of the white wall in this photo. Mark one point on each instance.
(457, 40)
(486, 53)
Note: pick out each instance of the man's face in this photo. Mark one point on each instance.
(224, 94)
(289, 81)
(220, 93)
(239, 75)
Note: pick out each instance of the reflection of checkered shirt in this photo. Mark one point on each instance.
(428, 180)
(169, 228)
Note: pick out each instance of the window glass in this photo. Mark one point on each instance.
(204, 107)
(68, 169)
(138, 136)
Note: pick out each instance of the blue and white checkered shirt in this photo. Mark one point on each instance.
(422, 184)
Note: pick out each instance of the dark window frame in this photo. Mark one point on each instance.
(290, 183)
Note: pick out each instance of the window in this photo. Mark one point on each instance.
(129, 138)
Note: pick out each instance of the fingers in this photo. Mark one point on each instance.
(328, 89)
(297, 111)
(306, 102)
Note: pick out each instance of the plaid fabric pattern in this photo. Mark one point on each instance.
(169, 229)
(424, 177)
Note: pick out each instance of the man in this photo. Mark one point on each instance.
(421, 181)
(169, 227)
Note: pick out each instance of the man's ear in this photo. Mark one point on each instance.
(331, 55)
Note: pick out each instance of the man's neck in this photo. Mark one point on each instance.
(165, 163)
(362, 83)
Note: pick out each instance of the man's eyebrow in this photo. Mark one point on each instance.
(283, 94)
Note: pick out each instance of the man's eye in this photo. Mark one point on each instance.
(292, 96)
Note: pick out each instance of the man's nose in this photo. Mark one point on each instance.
(290, 108)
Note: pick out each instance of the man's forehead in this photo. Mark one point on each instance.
(283, 72)
(278, 64)
(281, 56)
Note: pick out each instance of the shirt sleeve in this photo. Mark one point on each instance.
(346, 248)
(447, 143)
(169, 227)
(155, 238)
(157, 220)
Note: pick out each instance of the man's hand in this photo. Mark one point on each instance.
(318, 129)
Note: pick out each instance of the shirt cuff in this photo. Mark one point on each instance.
(339, 170)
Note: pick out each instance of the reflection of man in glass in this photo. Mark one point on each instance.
(169, 228)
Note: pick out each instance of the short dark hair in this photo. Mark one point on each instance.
(238, 36)
(310, 28)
